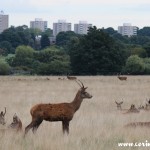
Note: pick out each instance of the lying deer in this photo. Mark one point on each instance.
(16, 125)
(2, 117)
(119, 105)
(132, 109)
(57, 112)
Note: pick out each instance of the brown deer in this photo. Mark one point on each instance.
(57, 112)
(2, 117)
(16, 125)
(71, 77)
(119, 105)
(132, 109)
(122, 78)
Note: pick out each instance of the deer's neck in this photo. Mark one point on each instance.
(76, 103)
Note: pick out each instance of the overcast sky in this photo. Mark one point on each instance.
(102, 13)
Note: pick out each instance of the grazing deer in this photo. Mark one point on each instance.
(2, 117)
(16, 125)
(122, 78)
(138, 124)
(132, 109)
(71, 77)
(57, 112)
(119, 105)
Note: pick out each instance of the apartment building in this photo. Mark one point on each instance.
(60, 26)
(82, 27)
(4, 21)
(38, 24)
(127, 30)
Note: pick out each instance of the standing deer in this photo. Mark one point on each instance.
(16, 125)
(57, 112)
(71, 77)
(122, 78)
(119, 105)
(2, 117)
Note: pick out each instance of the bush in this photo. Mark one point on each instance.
(134, 65)
(4, 68)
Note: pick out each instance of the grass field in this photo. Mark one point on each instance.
(97, 125)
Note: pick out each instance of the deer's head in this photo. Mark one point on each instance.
(82, 90)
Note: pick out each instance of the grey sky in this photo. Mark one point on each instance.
(102, 13)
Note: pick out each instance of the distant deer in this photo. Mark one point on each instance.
(71, 77)
(132, 109)
(141, 107)
(2, 117)
(138, 124)
(57, 112)
(61, 78)
(16, 125)
(119, 105)
(122, 77)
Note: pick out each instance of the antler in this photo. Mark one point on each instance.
(81, 85)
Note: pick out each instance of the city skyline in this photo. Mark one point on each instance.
(98, 12)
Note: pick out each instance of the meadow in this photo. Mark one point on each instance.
(97, 125)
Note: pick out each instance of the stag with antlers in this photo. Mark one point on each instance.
(2, 117)
(57, 112)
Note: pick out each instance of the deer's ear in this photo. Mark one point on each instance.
(85, 88)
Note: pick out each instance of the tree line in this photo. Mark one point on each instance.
(100, 52)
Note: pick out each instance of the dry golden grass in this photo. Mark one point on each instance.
(98, 125)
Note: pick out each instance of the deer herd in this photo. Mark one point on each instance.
(133, 109)
(64, 112)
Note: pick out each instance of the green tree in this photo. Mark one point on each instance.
(23, 56)
(96, 53)
(63, 38)
(5, 69)
(45, 42)
(52, 61)
(141, 52)
(7, 48)
(144, 31)
(134, 65)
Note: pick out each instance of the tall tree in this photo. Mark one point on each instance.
(96, 53)
(45, 42)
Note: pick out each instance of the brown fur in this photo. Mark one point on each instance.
(57, 112)
(71, 77)
(122, 78)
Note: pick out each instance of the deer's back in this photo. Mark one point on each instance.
(53, 112)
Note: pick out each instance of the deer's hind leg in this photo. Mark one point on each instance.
(37, 124)
(28, 128)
